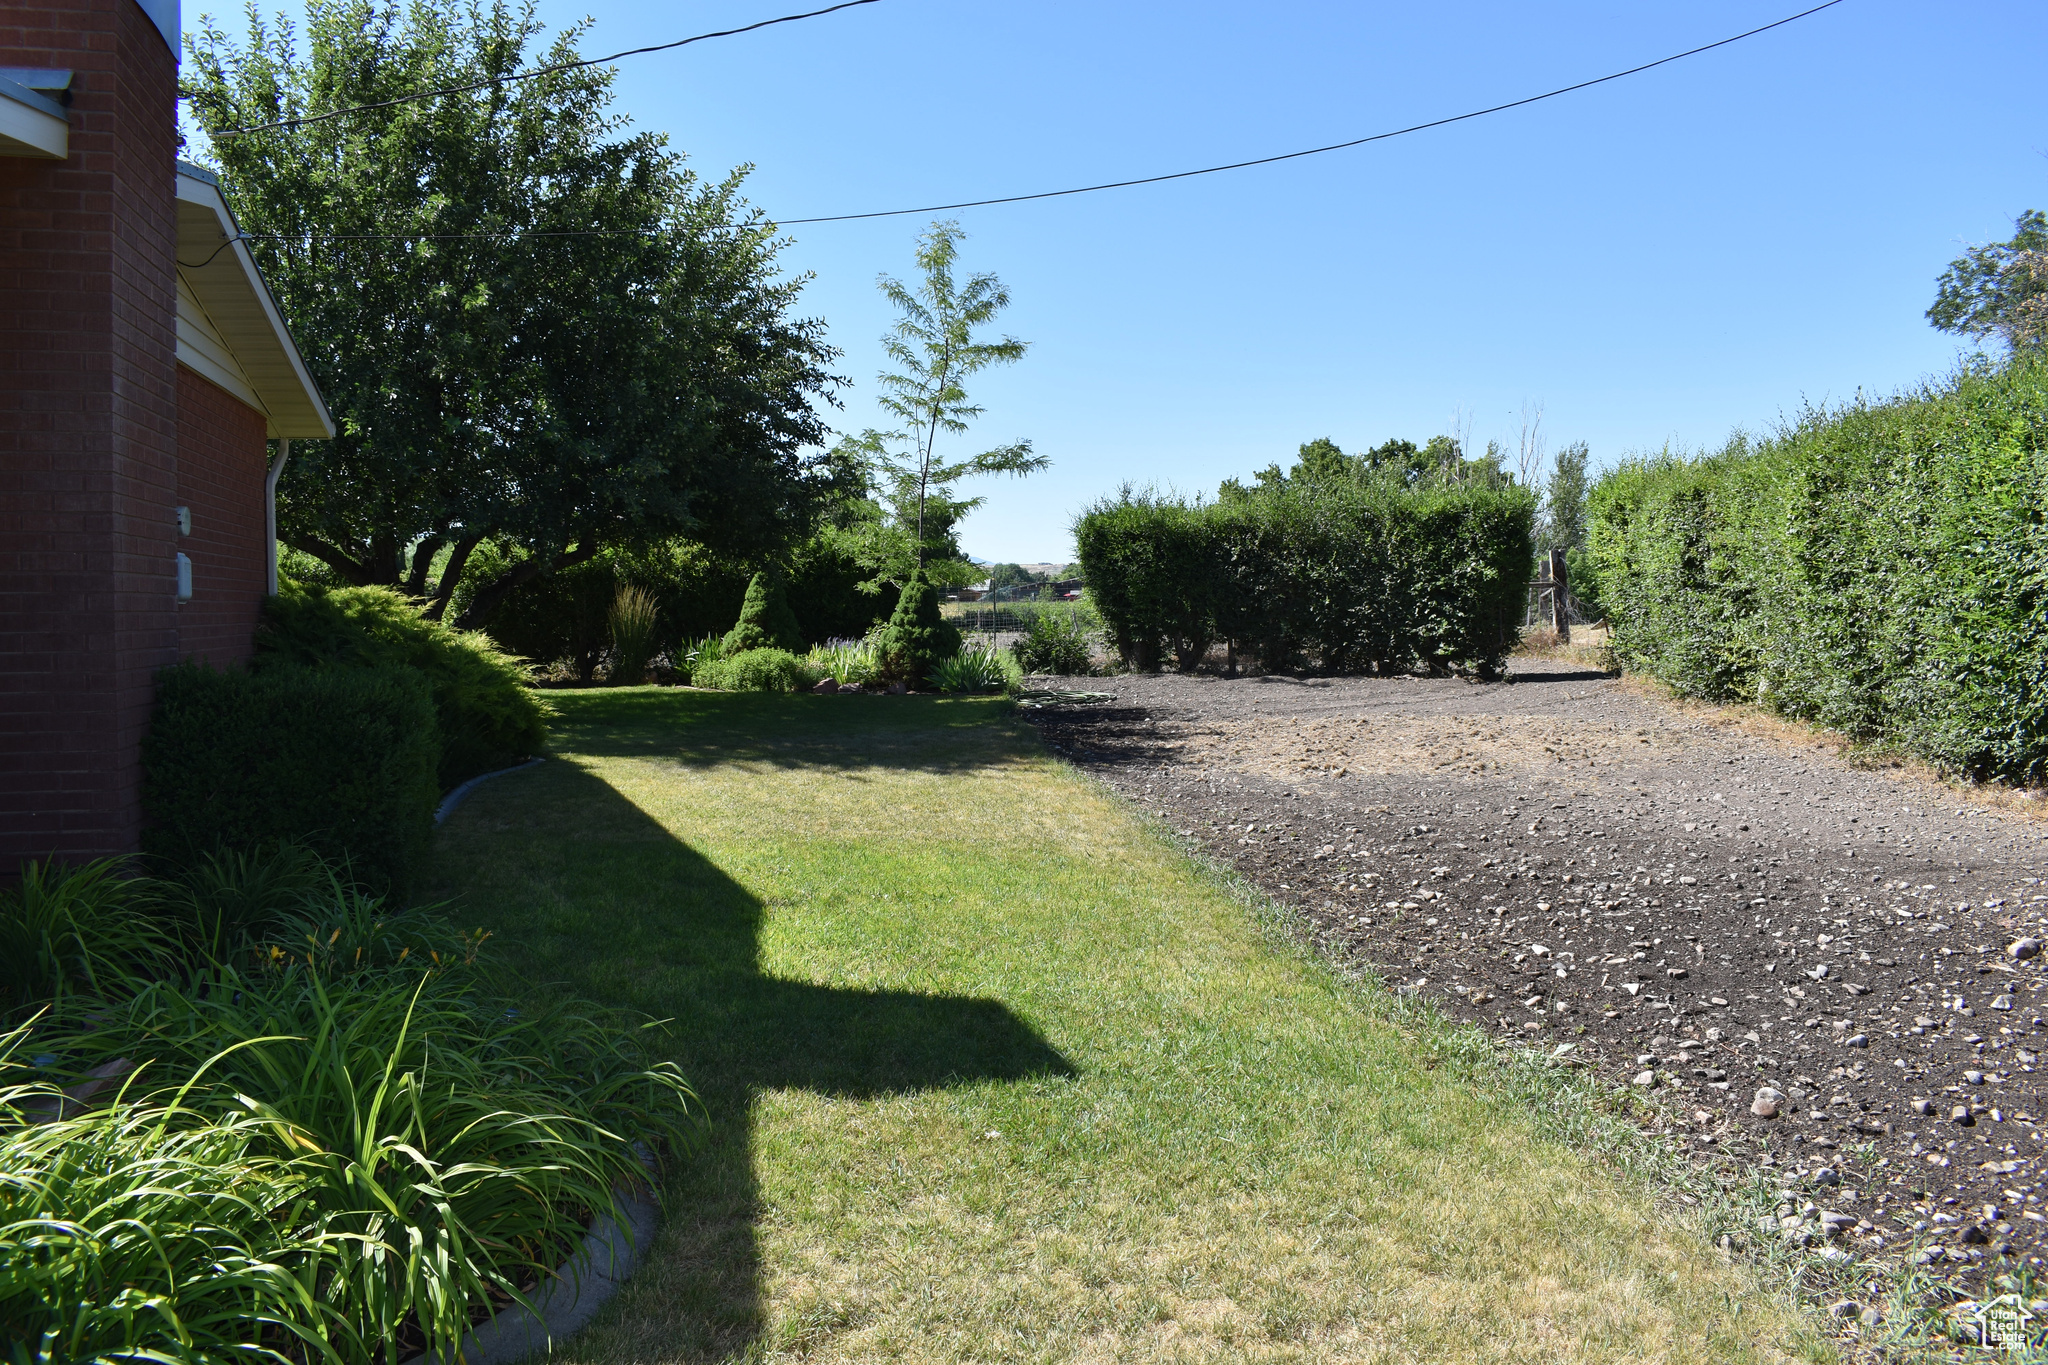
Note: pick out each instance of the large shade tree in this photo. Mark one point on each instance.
(535, 330)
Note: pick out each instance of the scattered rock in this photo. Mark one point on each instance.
(1826, 1176)
(1765, 1105)
(826, 686)
(1961, 1115)
(1645, 1079)
(2024, 948)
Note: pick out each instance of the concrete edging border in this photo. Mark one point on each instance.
(454, 798)
(581, 1285)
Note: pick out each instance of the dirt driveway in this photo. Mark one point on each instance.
(1697, 904)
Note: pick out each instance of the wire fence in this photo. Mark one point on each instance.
(1542, 605)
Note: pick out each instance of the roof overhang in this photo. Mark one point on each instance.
(31, 122)
(223, 276)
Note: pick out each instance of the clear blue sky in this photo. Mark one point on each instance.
(1661, 259)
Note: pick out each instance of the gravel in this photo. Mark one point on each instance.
(1717, 904)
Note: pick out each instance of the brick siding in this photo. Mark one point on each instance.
(221, 463)
(88, 432)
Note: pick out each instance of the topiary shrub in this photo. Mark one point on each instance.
(340, 760)
(488, 717)
(766, 622)
(917, 638)
(756, 670)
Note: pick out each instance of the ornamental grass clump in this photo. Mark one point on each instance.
(635, 624)
(846, 661)
(978, 668)
(917, 639)
(86, 929)
(340, 1145)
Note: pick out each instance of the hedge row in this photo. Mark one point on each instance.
(354, 715)
(1345, 577)
(1881, 570)
(338, 759)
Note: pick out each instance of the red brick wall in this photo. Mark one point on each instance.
(88, 455)
(221, 463)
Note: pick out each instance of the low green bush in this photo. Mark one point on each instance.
(488, 716)
(1880, 569)
(917, 639)
(755, 670)
(1059, 641)
(1346, 576)
(340, 760)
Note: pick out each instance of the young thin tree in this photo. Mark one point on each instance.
(1564, 503)
(934, 350)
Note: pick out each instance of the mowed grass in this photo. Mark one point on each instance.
(997, 1074)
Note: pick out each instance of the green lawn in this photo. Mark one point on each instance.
(997, 1074)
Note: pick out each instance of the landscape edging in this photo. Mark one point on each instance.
(610, 1253)
(454, 798)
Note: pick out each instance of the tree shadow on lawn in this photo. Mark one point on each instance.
(775, 729)
(589, 893)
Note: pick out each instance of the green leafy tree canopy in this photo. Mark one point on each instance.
(934, 348)
(1999, 289)
(534, 329)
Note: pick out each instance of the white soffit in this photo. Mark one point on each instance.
(32, 124)
(231, 330)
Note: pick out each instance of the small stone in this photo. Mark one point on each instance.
(1927, 1255)
(826, 686)
(1847, 1308)
(897, 689)
(2003, 1002)
(1974, 1077)
(1923, 1106)
(1835, 1224)
(1857, 1040)
(1871, 1317)
(850, 689)
(1646, 1079)
(1961, 1116)
(1765, 1105)
(2024, 948)
(1826, 1176)
(1974, 1235)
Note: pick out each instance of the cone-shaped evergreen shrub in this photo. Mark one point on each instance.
(766, 622)
(916, 638)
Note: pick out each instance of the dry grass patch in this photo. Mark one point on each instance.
(998, 1074)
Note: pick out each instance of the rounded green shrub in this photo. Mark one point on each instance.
(766, 622)
(755, 670)
(488, 715)
(917, 639)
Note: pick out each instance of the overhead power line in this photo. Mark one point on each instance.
(1081, 189)
(530, 75)
(1312, 151)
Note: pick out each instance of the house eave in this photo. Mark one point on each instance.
(215, 263)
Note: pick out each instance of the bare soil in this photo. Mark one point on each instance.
(1698, 904)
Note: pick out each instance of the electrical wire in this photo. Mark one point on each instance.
(1107, 185)
(201, 265)
(529, 75)
(1312, 151)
